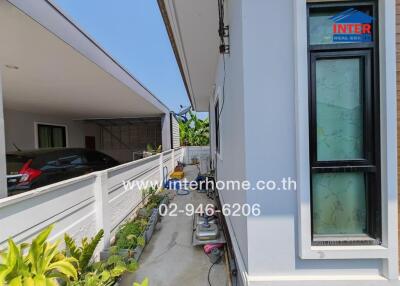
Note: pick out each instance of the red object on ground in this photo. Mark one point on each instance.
(209, 247)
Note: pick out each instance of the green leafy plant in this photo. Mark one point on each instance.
(84, 253)
(151, 149)
(145, 282)
(194, 131)
(41, 264)
(107, 272)
(149, 192)
(131, 234)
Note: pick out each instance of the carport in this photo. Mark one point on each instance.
(54, 76)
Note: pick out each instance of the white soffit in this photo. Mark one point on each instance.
(61, 71)
(194, 28)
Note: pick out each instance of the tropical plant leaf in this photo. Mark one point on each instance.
(17, 281)
(64, 267)
(42, 237)
(145, 282)
(28, 281)
(88, 250)
(132, 266)
(105, 276)
(71, 249)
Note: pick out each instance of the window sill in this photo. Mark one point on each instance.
(344, 240)
(345, 252)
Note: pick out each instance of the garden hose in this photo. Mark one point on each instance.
(168, 183)
(182, 192)
(165, 176)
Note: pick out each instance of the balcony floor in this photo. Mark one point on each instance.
(170, 259)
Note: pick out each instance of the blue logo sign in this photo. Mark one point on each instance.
(352, 26)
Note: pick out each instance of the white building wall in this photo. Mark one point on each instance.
(258, 142)
(20, 129)
(176, 140)
(231, 160)
(166, 131)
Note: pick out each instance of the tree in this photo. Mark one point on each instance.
(194, 131)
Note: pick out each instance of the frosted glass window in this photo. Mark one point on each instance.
(321, 29)
(339, 204)
(339, 108)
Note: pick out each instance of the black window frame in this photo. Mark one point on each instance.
(370, 164)
(52, 127)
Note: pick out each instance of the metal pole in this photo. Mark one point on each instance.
(3, 168)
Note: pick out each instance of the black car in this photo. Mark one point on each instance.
(28, 170)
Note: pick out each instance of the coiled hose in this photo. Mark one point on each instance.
(175, 184)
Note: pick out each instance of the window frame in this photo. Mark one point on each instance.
(37, 139)
(369, 165)
(388, 159)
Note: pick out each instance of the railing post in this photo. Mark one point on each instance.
(3, 169)
(161, 169)
(103, 215)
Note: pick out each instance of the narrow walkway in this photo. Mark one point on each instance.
(170, 259)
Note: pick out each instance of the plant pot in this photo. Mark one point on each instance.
(148, 233)
(163, 203)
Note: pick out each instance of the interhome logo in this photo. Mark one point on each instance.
(352, 26)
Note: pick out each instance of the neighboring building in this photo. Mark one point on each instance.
(59, 88)
(303, 90)
(175, 134)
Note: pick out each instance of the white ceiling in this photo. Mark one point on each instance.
(54, 78)
(195, 27)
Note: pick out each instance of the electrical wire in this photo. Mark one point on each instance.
(221, 32)
(209, 271)
(223, 89)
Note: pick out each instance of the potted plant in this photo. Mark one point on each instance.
(132, 237)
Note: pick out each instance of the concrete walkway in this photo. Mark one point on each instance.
(170, 259)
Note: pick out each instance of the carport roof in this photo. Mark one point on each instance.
(52, 67)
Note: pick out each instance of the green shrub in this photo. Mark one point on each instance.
(84, 253)
(145, 282)
(107, 272)
(131, 234)
(42, 264)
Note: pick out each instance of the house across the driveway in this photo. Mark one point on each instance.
(59, 88)
(301, 90)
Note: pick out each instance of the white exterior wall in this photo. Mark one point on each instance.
(166, 131)
(176, 140)
(258, 142)
(231, 160)
(20, 129)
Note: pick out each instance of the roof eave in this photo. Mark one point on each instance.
(179, 59)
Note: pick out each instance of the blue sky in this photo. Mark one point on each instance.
(133, 33)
